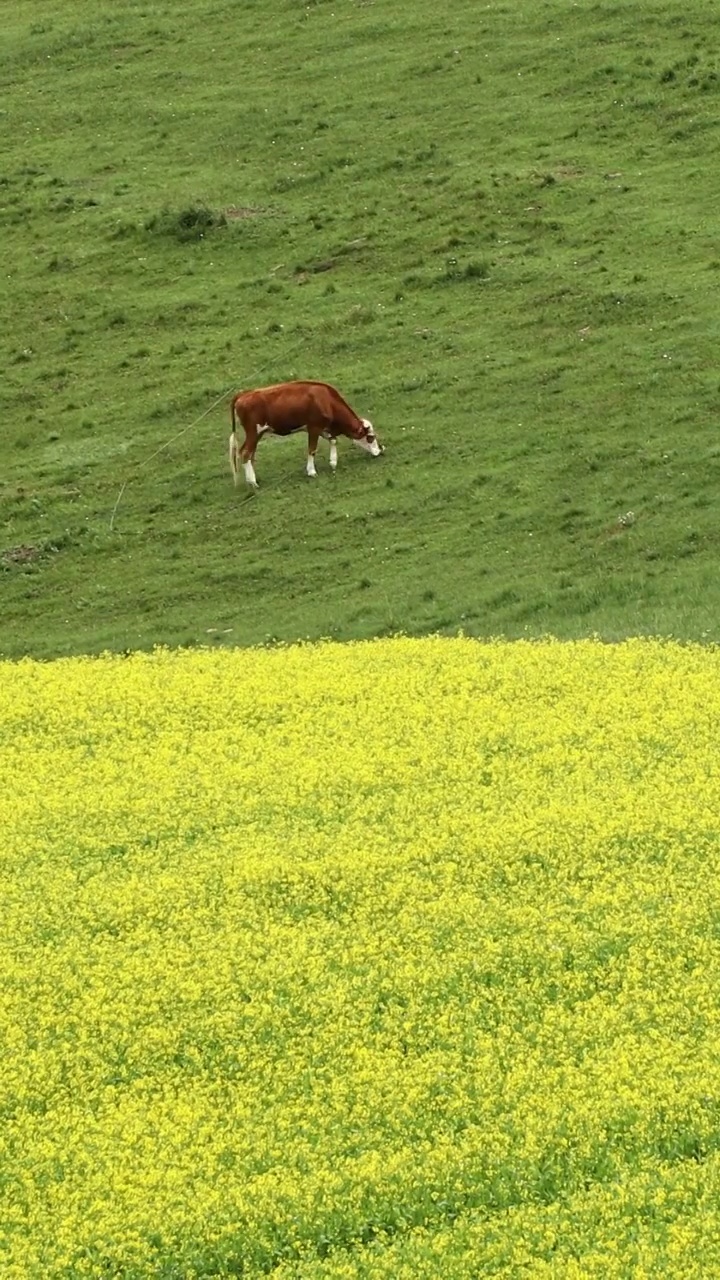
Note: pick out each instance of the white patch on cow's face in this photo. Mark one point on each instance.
(250, 474)
(333, 454)
(369, 441)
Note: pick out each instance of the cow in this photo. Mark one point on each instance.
(287, 407)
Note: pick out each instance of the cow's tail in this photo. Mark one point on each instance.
(234, 451)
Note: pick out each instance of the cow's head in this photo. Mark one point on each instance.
(367, 439)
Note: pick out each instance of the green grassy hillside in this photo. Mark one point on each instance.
(491, 226)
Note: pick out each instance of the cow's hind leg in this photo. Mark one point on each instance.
(247, 453)
(250, 470)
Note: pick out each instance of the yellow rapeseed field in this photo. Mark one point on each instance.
(396, 959)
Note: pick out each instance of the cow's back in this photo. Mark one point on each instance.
(293, 402)
(311, 398)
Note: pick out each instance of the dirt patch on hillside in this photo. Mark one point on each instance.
(26, 554)
(235, 211)
(23, 554)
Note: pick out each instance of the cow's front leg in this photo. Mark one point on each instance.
(333, 453)
(313, 437)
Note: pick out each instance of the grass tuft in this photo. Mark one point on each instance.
(191, 223)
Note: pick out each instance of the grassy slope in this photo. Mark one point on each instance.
(518, 205)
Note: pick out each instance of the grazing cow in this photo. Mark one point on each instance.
(315, 407)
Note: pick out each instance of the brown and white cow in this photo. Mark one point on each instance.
(280, 410)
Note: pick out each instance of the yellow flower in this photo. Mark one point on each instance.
(380, 960)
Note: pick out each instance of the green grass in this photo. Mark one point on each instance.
(492, 227)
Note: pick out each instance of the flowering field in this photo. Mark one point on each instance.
(399, 959)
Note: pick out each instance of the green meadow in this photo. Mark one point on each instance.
(492, 226)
